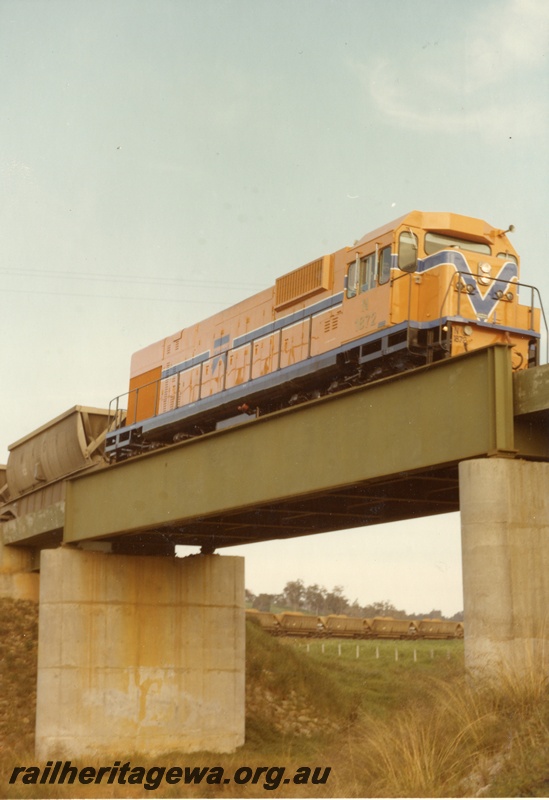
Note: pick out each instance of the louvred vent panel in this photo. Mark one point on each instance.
(303, 282)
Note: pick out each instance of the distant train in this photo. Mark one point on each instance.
(425, 287)
(340, 626)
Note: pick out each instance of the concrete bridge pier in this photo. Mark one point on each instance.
(505, 541)
(17, 580)
(139, 654)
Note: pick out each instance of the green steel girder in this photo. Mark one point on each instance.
(42, 528)
(387, 450)
(531, 411)
(531, 392)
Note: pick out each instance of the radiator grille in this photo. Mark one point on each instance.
(303, 282)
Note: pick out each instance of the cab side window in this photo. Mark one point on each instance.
(352, 279)
(384, 268)
(367, 272)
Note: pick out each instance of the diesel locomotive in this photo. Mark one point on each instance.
(425, 287)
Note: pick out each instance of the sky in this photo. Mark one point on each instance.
(161, 160)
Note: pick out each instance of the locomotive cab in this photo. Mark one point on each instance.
(464, 290)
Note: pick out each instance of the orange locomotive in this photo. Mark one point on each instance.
(422, 288)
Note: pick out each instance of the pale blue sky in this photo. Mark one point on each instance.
(161, 160)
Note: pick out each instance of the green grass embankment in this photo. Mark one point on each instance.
(385, 727)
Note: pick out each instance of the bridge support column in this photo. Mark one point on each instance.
(505, 542)
(139, 654)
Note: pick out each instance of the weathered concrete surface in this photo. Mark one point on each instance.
(16, 579)
(505, 541)
(139, 654)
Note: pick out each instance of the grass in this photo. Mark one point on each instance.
(412, 727)
(378, 681)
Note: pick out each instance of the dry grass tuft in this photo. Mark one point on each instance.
(460, 738)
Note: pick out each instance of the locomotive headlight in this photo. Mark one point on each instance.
(486, 270)
(467, 330)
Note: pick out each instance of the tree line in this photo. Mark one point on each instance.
(315, 599)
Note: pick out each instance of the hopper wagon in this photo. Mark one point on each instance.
(439, 629)
(293, 623)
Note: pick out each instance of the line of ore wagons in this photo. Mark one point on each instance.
(295, 623)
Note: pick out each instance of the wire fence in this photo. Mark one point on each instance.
(384, 651)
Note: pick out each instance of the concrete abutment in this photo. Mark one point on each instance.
(505, 543)
(17, 580)
(139, 654)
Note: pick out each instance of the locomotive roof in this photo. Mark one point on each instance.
(441, 222)
(389, 226)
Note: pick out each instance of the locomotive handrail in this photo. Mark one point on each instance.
(542, 312)
(116, 400)
(158, 381)
(533, 291)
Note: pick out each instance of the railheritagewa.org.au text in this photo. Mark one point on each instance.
(151, 778)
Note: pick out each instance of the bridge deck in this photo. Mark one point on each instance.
(376, 453)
